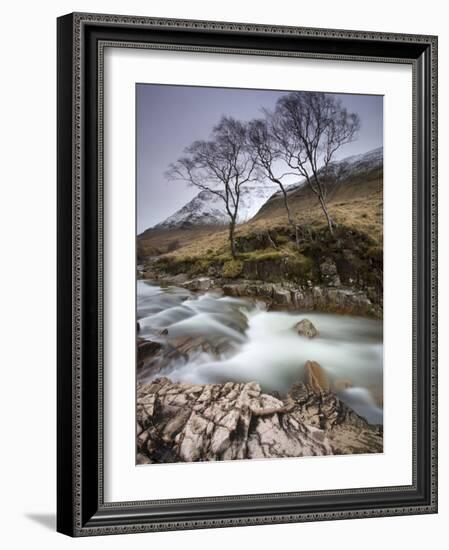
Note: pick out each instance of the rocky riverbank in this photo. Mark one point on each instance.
(198, 422)
(340, 274)
(283, 295)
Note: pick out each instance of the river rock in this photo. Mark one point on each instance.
(197, 422)
(180, 350)
(191, 346)
(238, 290)
(306, 328)
(347, 432)
(316, 376)
(202, 283)
(220, 422)
(302, 299)
(281, 296)
(342, 300)
(146, 350)
(315, 298)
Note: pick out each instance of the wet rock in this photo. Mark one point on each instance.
(316, 376)
(264, 291)
(249, 290)
(281, 296)
(190, 346)
(202, 283)
(347, 432)
(316, 298)
(180, 350)
(302, 299)
(306, 328)
(346, 300)
(178, 279)
(237, 290)
(237, 320)
(146, 350)
(163, 278)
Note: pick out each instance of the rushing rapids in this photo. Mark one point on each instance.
(233, 339)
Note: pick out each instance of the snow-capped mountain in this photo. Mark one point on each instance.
(349, 166)
(358, 163)
(209, 209)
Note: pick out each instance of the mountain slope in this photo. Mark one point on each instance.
(206, 208)
(350, 175)
(355, 199)
(354, 191)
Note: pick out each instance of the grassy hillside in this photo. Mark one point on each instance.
(155, 242)
(353, 203)
(266, 244)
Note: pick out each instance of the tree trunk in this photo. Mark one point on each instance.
(289, 216)
(270, 240)
(232, 238)
(296, 235)
(330, 222)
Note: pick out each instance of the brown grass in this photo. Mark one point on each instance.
(362, 213)
(155, 242)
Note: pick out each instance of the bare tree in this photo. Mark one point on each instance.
(269, 158)
(221, 166)
(305, 131)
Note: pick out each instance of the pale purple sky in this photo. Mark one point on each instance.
(169, 118)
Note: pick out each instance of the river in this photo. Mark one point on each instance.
(260, 345)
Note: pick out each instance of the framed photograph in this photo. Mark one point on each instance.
(246, 274)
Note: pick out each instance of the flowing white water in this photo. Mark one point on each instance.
(264, 347)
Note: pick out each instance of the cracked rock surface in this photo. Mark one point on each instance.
(192, 422)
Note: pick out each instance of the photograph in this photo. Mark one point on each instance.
(259, 273)
(247, 278)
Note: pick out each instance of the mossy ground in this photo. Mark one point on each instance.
(357, 256)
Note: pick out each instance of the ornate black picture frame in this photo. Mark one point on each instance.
(81, 510)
